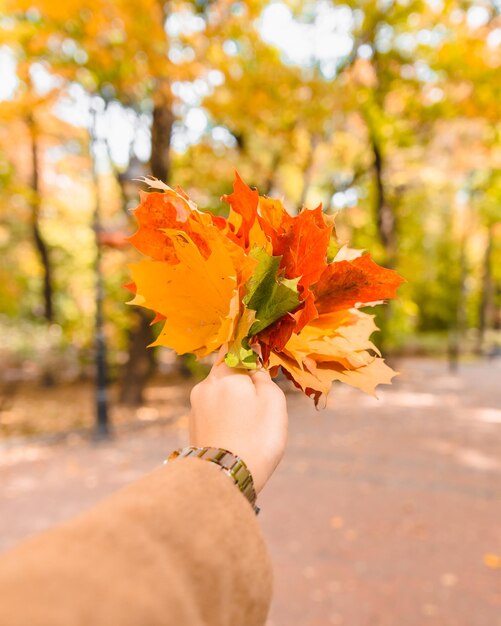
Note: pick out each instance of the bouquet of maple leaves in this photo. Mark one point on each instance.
(270, 289)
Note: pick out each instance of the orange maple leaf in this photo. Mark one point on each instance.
(243, 226)
(158, 211)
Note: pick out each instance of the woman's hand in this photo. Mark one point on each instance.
(244, 413)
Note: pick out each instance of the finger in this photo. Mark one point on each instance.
(261, 377)
(195, 392)
(272, 403)
(267, 390)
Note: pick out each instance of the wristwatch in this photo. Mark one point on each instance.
(229, 463)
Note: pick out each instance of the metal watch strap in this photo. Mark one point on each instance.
(232, 465)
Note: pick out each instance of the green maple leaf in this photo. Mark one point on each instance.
(239, 353)
(242, 356)
(270, 295)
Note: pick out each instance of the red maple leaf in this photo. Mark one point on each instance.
(303, 244)
(344, 284)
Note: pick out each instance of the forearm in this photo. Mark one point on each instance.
(181, 546)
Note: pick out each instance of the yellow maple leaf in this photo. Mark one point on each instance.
(199, 296)
(335, 346)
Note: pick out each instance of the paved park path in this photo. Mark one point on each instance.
(384, 512)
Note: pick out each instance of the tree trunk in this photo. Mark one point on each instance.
(102, 425)
(385, 212)
(485, 308)
(457, 332)
(496, 311)
(141, 362)
(308, 171)
(161, 133)
(386, 223)
(385, 217)
(269, 183)
(41, 247)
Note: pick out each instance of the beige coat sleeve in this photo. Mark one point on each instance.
(181, 546)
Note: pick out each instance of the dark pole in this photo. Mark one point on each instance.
(102, 427)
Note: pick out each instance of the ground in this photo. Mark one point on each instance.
(384, 512)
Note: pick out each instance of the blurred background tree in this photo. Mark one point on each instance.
(387, 112)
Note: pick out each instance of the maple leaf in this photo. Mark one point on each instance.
(243, 225)
(214, 238)
(361, 281)
(154, 183)
(276, 336)
(160, 211)
(307, 312)
(344, 253)
(270, 295)
(198, 296)
(240, 354)
(336, 346)
(302, 241)
(273, 216)
(303, 246)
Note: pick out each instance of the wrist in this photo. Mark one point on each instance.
(232, 465)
